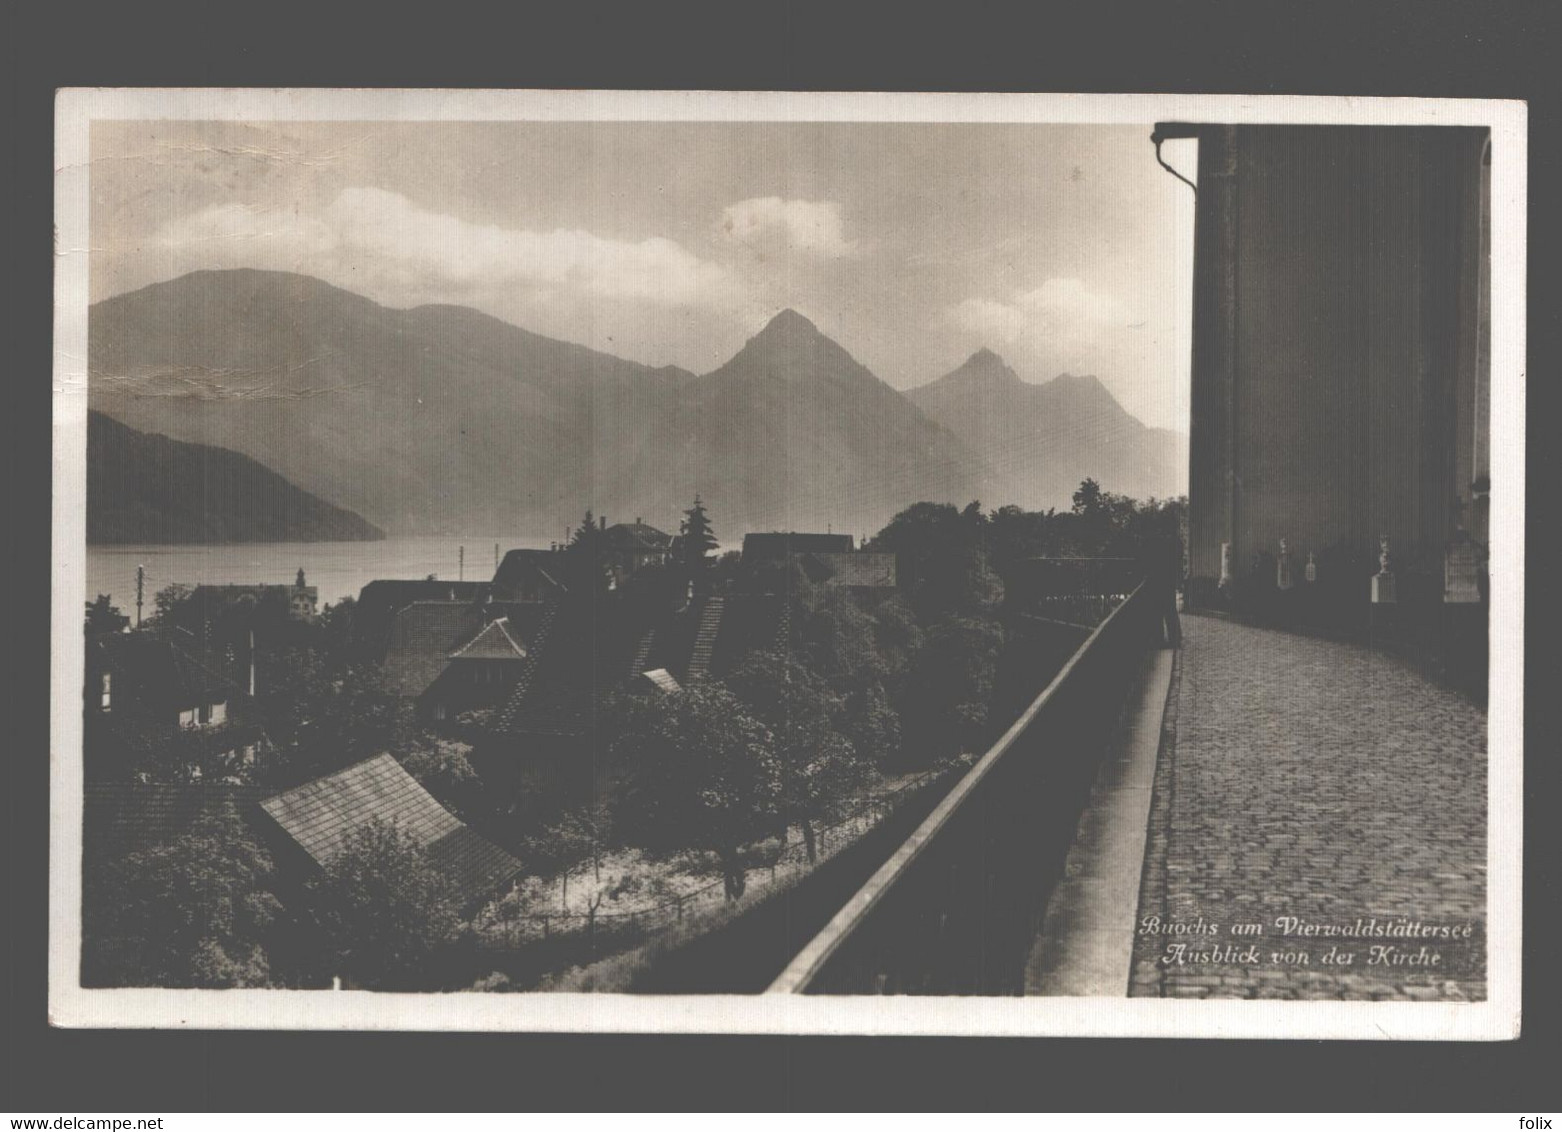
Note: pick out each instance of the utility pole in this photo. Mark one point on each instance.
(140, 590)
(496, 558)
(461, 565)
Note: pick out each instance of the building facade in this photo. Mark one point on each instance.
(1340, 389)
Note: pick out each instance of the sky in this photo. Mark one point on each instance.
(1061, 248)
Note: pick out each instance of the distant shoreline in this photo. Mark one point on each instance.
(100, 544)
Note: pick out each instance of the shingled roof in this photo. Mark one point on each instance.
(493, 642)
(378, 603)
(422, 638)
(475, 866)
(637, 536)
(321, 815)
(118, 819)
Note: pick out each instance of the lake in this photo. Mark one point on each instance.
(339, 569)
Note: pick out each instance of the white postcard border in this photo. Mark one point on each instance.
(73, 1006)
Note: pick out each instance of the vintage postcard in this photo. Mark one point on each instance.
(719, 562)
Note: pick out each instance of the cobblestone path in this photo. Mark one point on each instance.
(1321, 781)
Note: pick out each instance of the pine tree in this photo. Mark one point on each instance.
(698, 538)
(587, 557)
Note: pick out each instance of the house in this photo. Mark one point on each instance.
(529, 575)
(781, 546)
(821, 558)
(630, 547)
(313, 822)
(378, 603)
(298, 602)
(549, 747)
(452, 657)
(142, 688)
(167, 678)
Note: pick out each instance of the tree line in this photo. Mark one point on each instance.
(863, 686)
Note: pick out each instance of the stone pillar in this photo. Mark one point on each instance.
(1461, 572)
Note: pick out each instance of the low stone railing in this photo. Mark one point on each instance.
(957, 907)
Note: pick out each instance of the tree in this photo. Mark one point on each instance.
(324, 715)
(336, 625)
(819, 766)
(168, 602)
(872, 725)
(707, 776)
(835, 635)
(942, 558)
(698, 539)
(586, 559)
(383, 911)
(578, 835)
(444, 768)
(950, 690)
(192, 913)
(1088, 499)
(104, 617)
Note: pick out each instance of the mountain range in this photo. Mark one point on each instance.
(144, 488)
(1047, 438)
(441, 419)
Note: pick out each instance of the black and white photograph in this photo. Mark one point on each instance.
(760, 563)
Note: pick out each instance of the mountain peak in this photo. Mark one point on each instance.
(988, 364)
(1081, 381)
(788, 322)
(983, 369)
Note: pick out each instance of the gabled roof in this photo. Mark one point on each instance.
(493, 642)
(637, 536)
(422, 637)
(592, 651)
(164, 669)
(397, 592)
(118, 819)
(779, 545)
(322, 814)
(380, 601)
(475, 866)
(546, 567)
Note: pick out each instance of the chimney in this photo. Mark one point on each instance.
(637, 520)
(602, 521)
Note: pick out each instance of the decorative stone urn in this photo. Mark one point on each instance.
(1383, 589)
(1283, 568)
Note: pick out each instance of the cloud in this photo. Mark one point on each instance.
(771, 224)
(1068, 326)
(236, 230)
(1059, 312)
(384, 236)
